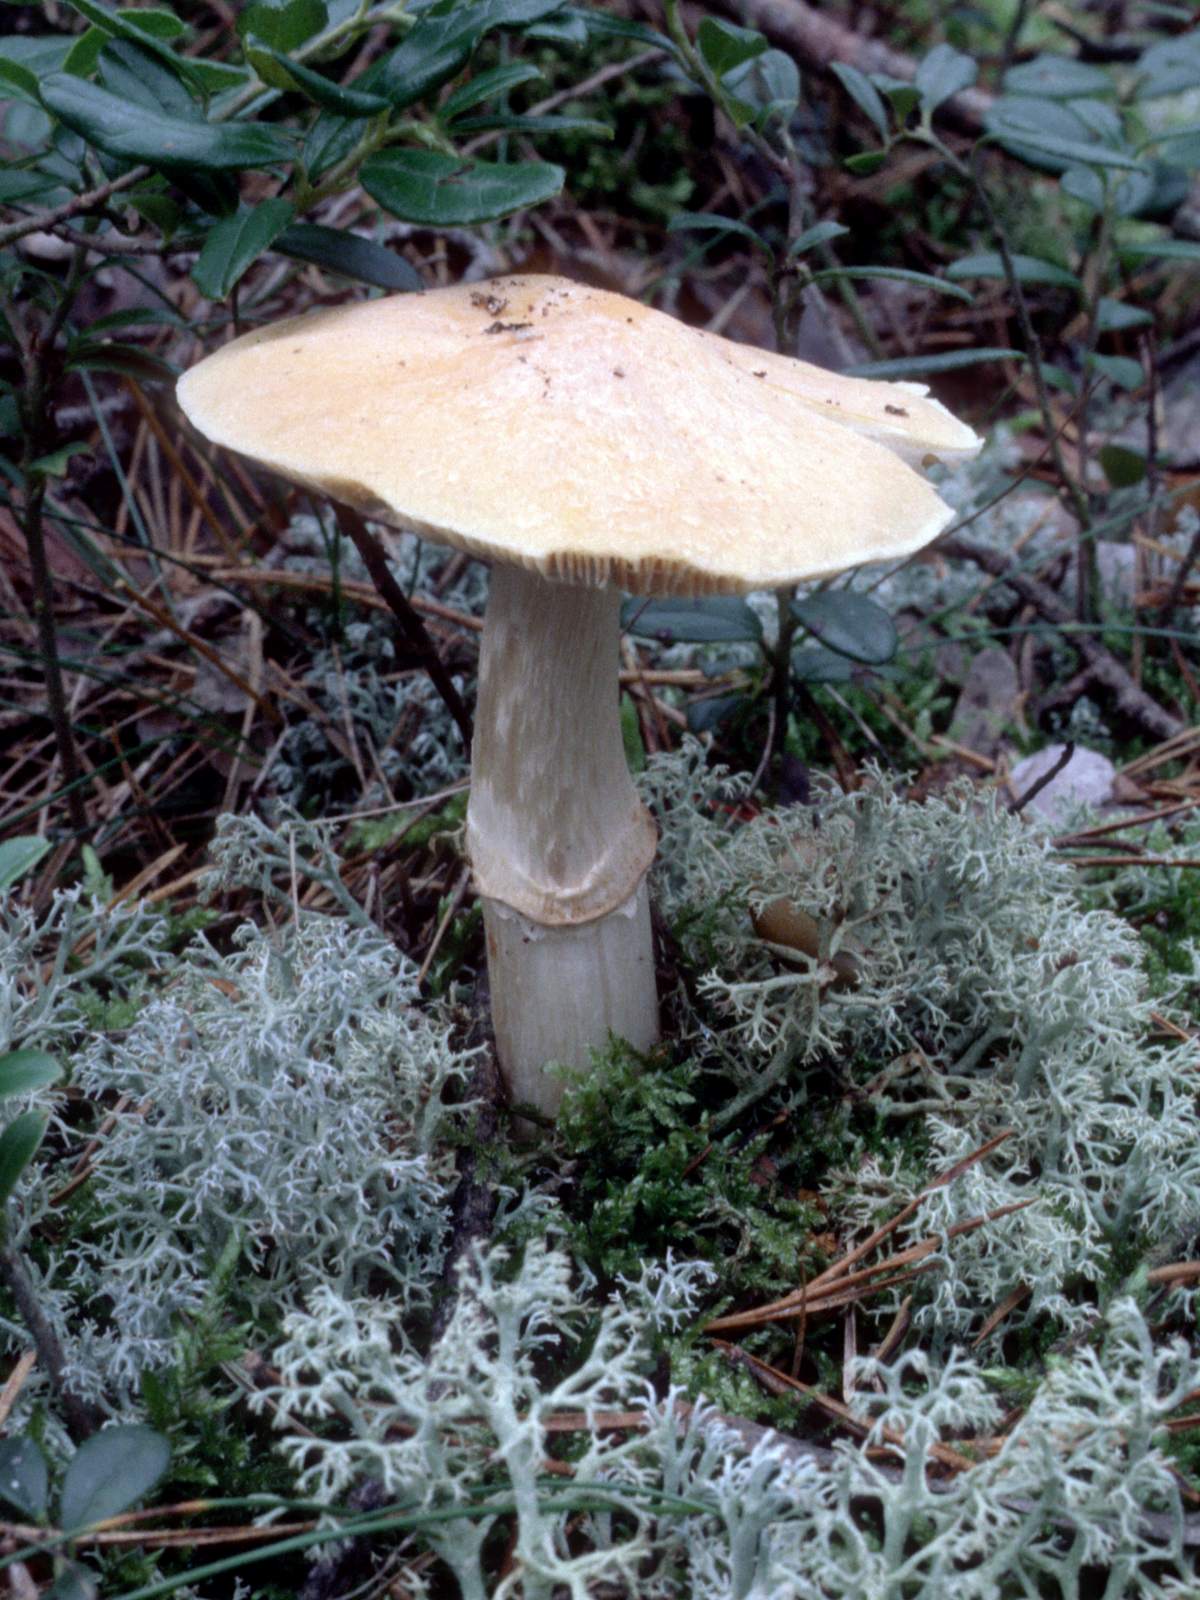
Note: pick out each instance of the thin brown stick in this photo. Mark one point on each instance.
(1135, 861)
(90, 200)
(1177, 1272)
(15, 1383)
(1005, 1309)
(1130, 700)
(838, 1268)
(845, 1290)
(456, 900)
(1047, 778)
(167, 445)
(778, 1382)
(163, 616)
(1142, 820)
(81, 1420)
(890, 1343)
(411, 626)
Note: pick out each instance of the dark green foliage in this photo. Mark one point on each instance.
(648, 1178)
(196, 1404)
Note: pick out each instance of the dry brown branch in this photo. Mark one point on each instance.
(1103, 667)
(777, 1382)
(15, 1382)
(844, 1291)
(412, 629)
(817, 40)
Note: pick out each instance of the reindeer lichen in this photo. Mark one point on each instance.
(287, 1094)
(986, 996)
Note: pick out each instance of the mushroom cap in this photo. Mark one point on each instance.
(582, 435)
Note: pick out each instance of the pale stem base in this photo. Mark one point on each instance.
(557, 993)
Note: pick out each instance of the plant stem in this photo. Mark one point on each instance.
(1033, 344)
(1086, 577)
(781, 668)
(1012, 37)
(41, 367)
(81, 1420)
(43, 610)
(90, 200)
(410, 624)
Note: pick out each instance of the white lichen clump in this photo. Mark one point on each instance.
(680, 1504)
(987, 998)
(285, 1098)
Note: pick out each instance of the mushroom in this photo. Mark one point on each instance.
(580, 443)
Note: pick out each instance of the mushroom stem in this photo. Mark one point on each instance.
(558, 839)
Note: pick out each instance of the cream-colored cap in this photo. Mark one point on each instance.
(579, 434)
(900, 415)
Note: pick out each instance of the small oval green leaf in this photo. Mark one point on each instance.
(815, 664)
(945, 71)
(109, 1472)
(24, 1477)
(20, 856)
(705, 715)
(344, 100)
(1057, 78)
(131, 72)
(1171, 66)
(350, 256)
(22, 1071)
(1029, 269)
(107, 355)
(1124, 371)
(18, 82)
(943, 361)
(136, 133)
(718, 619)
(127, 24)
(282, 24)
(440, 44)
(711, 222)
(1161, 250)
(1124, 468)
(233, 245)
(864, 94)
(489, 85)
(1049, 133)
(1113, 316)
(819, 233)
(18, 1145)
(527, 124)
(453, 191)
(725, 45)
(849, 624)
(897, 275)
(154, 20)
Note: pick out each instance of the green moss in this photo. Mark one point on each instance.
(370, 834)
(650, 1177)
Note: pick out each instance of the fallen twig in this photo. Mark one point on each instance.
(411, 626)
(1103, 667)
(819, 41)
